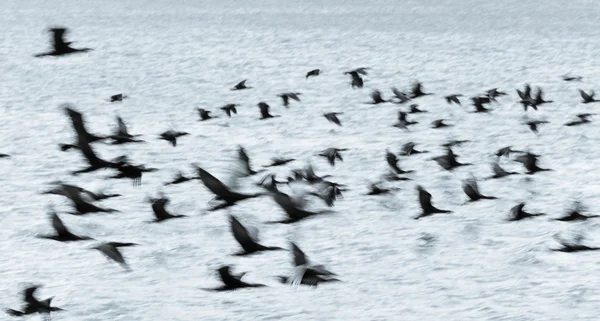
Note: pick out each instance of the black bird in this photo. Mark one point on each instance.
(66, 190)
(232, 282)
(583, 119)
(403, 122)
(95, 163)
(179, 178)
(375, 189)
(111, 251)
(402, 97)
(229, 108)
(392, 161)
(470, 188)
(332, 154)
(222, 192)
(314, 72)
(575, 215)
(506, 151)
(453, 99)
(377, 99)
(529, 160)
(517, 213)
(241, 85)
(499, 172)
(409, 149)
(160, 213)
(478, 102)
(439, 123)
(61, 47)
(205, 114)
(328, 193)
(121, 135)
(4, 155)
(307, 273)
(572, 78)
(62, 233)
(539, 100)
(83, 136)
(417, 91)
(248, 240)
(570, 247)
(294, 210)
(245, 167)
(425, 201)
(287, 96)
(588, 98)
(264, 111)
(278, 161)
(414, 109)
(171, 136)
(448, 161)
(533, 124)
(33, 305)
(82, 207)
(455, 142)
(332, 118)
(493, 93)
(133, 172)
(117, 97)
(357, 81)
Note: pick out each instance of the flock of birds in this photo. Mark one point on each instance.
(305, 271)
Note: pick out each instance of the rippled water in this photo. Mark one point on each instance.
(171, 57)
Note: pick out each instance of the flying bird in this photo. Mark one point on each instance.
(313, 73)
(305, 272)
(517, 213)
(160, 213)
(588, 98)
(264, 111)
(205, 114)
(111, 251)
(332, 118)
(229, 108)
(583, 119)
(287, 96)
(241, 85)
(62, 233)
(427, 208)
(453, 99)
(171, 136)
(247, 238)
(470, 188)
(33, 305)
(61, 47)
(223, 193)
(232, 282)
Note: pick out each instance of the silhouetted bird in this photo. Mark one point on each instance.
(160, 213)
(314, 72)
(529, 160)
(403, 122)
(332, 117)
(470, 188)
(426, 206)
(179, 178)
(377, 99)
(402, 97)
(499, 172)
(414, 109)
(278, 161)
(171, 136)
(417, 91)
(205, 114)
(409, 149)
(575, 246)
(453, 99)
(478, 102)
(245, 169)
(583, 119)
(574, 215)
(392, 161)
(517, 213)
(588, 98)
(133, 172)
(229, 108)
(357, 81)
(506, 151)
(448, 161)
(111, 251)
(222, 192)
(375, 189)
(332, 154)
(539, 100)
(307, 273)
(533, 124)
(33, 305)
(82, 207)
(264, 111)
(241, 85)
(117, 98)
(248, 239)
(62, 233)
(287, 96)
(572, 78)
(493, 93)
(59, 45)
(83, 136)
(439, 123)
(293, 209)
(121, 135)
(232, 282)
